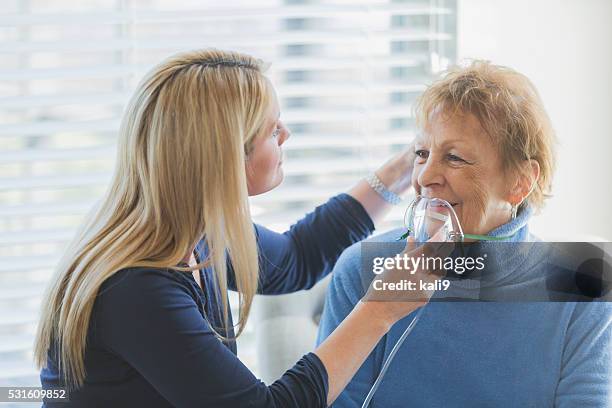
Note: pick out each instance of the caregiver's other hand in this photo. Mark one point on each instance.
(398, 291)
(345, 350)
(396, 173)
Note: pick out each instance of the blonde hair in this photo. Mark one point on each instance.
(180, 176)
(510, 111)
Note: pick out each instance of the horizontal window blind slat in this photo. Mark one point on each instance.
(286, 64)
(339, 115)
(362, 139)
(349, 88)
(203, 14)
(21, 292)
(52, 126)
(38, 235)
(35, 155)
(56, 99)
(186, 43)
(15, 343)
(17, 370)
(19, 316)
(10, 264)
(305, 63)
(31, 210)
(53, 182)
(108, 71)
(338, 88)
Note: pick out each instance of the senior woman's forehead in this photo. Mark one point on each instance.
(459, 129)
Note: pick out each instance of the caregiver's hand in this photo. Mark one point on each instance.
(409, 284)
(345, 350)
(395, 174)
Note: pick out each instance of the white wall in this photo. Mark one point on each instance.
(565, 48)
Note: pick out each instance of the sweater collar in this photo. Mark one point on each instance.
(504, 258)
(517, 229)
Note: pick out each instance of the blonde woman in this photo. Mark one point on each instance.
(129, 321)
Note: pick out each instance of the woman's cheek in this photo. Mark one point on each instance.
(474, 194)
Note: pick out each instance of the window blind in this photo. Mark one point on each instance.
(347, 74)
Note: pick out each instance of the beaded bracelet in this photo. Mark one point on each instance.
(382, 190)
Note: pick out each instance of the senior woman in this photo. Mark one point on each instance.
(137, 313)
(486, 147)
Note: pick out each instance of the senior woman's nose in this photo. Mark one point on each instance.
(430, 173)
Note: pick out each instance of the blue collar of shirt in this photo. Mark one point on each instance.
(517, 229)
(504, 256)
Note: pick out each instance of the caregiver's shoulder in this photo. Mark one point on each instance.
(137, 282)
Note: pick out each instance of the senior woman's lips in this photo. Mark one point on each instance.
(438, 209)
(440, 202)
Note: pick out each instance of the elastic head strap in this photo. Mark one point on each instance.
(487, 237)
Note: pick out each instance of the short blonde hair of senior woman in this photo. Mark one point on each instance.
(510, 111)
(180, 175)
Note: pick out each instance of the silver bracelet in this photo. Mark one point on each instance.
(382, 190)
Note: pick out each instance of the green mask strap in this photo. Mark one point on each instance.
(468, 236)
(487, 237)
(404, 235)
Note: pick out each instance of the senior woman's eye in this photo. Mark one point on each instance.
(422, 154)
(455, 158)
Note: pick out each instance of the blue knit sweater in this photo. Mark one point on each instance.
(482, 354)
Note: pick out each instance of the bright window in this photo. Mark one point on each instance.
(347, 73)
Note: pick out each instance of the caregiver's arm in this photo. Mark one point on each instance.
(301, 256)
(343, 293)
(345, 350)
(395, 174)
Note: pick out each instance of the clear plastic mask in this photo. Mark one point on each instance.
(432, 219)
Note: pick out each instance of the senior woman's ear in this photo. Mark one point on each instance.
(526, 182)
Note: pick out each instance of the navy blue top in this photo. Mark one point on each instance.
(150, 341)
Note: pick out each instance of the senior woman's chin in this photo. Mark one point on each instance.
(459, 211)
(470, 222)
